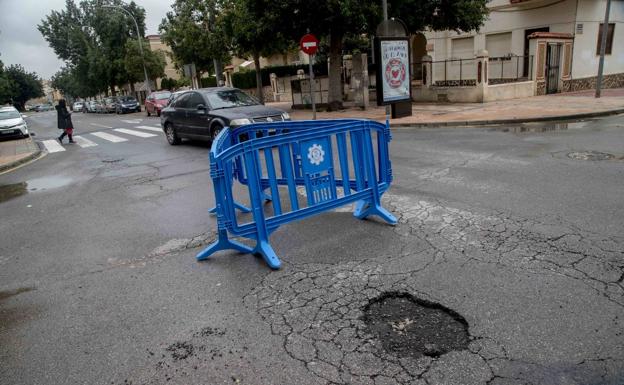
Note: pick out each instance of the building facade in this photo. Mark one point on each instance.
(555, 42)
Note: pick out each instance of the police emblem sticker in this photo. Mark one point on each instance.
(316, 155)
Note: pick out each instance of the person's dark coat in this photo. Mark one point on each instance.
(63, 117)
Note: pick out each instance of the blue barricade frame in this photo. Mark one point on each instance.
(305, 151)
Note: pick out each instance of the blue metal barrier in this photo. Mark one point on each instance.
(273, 160)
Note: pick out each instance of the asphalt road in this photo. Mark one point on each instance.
(501, 225)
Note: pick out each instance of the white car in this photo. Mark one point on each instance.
(77, 107)
(12, 124)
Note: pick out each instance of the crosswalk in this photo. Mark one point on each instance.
(85, 141)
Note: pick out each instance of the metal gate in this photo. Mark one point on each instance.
(553, 62)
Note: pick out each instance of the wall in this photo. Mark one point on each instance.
(508, 91)
(156, 44)
(591, 15)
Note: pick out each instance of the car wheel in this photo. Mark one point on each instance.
(138, 109)
(158, 113)
(216, 129)
(148, 113)
(171, 135)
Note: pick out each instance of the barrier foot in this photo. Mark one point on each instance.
(360, 207)
(266, 251)
(223, 243)
(375, 210)
(242, 208)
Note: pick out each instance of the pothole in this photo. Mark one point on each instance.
(590, 155)
(409, 326)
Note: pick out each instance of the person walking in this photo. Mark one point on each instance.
(64, 121)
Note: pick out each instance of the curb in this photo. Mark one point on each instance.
(509, 121)
(13, 165)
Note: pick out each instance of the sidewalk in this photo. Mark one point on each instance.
(566, 106)
(16, 152)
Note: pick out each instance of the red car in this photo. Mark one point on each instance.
(156, 101)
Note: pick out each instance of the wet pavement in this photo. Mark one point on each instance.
(506, 268)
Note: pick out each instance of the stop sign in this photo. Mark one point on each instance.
(309, 44)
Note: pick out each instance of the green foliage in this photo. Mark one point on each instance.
(458, 15)
(209, 82)
(154, 62)
(24, 85)
(6, 86)
(92, 40)
(193, 30)
(167, 84)
(247, 79)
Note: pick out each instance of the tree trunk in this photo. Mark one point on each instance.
(256, 58)
(219, 72)
(335, 70)
(113, 92)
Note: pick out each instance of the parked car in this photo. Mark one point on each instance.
(110, 104)
(100, 107)
(43, 107)
(12, 124)
(202, 114)
(156, 101)
(89, 106)
(127, 104)
(77, 106)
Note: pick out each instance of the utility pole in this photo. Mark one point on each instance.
(147, 84)
(603, 48)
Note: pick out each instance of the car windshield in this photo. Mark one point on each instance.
(230, 99)
(4, 115)
(127, 99)
(162, 95)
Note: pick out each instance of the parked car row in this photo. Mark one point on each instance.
(118, 104)
(12, 123)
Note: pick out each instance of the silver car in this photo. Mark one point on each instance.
(12, 124)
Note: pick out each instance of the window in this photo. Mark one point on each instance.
(462, 48)
(498, 45)
(195, 100)
(182, 101)
(609, 38)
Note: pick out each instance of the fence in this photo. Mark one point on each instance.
(297, 157)
(454, 72)
(510, 69)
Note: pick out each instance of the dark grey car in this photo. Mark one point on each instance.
(202, 114)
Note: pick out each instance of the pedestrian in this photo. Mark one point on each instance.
(64, 121)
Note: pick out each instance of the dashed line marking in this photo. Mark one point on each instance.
(109, 137)
(84, 142)
(155, 129)
(53, 145)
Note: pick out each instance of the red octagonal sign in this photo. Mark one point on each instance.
(309, 44)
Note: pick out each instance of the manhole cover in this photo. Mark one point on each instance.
(590, 155)
(408, 326)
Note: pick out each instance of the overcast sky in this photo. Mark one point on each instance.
(22, 43)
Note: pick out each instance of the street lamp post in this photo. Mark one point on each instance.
(147, 84)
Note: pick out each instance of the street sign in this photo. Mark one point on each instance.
(309, 44)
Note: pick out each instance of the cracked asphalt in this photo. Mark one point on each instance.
(98, 282)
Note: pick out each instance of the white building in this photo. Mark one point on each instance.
(552, 43)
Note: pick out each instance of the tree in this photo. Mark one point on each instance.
(193, 32)
(154, 63)
(253, 28)
(6, 86)
(337, 20)
(92, 39)
(24, 85)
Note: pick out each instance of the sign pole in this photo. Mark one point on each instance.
(310, 59)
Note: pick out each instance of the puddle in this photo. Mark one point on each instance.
(48, 182)
(590, 155)
(11, 191)
(542, 127)
(14, 190)
(10, 293)
(411, 327)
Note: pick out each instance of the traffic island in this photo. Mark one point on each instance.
(14, 153)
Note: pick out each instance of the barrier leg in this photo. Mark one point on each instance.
(266, 251)
(360, 206)
(222, 243)
(376, 210)
(242, 208)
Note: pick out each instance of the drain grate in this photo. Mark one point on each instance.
(590, 155)
(408, 326)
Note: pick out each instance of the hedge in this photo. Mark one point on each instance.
(247, 79)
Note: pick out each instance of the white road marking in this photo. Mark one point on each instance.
(100, 125)
(133, 121)
(135, 133)
(53, 146)
(156, 129)
(84, 142)
(109, 137)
